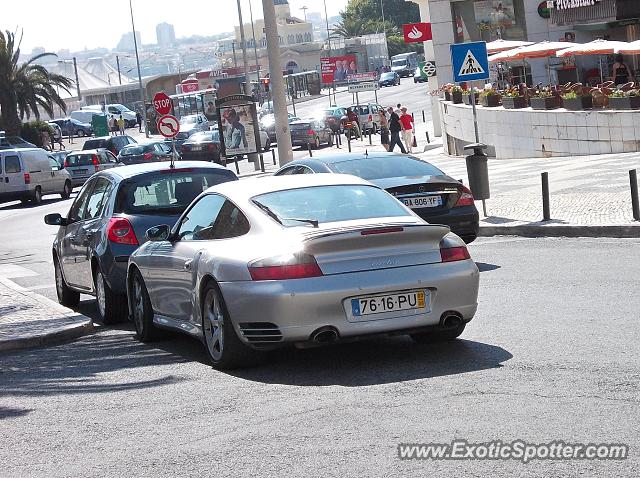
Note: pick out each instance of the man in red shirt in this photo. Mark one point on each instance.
(407, 129)
(353, 118)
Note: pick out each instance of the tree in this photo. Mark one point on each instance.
(26, 87)
(353, 27)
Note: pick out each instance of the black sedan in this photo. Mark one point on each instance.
(70, 126)
(108, 220)
(310, 132)
(430, 193)
(389, 78)
(203, 146)
(145, 153)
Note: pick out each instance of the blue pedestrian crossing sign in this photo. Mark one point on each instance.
(470, 61)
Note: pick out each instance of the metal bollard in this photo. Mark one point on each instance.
(349, 141)
(309, 150)
(635, 202)
(261, 163)
(428, 139)
(336, 139)
(423, 117)
(370, 143)
(235, 161)
(546, 209)
(273, 155)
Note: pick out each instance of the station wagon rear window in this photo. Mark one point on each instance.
(80, 159)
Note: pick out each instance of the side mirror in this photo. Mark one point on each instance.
(158, 233)
(55, 220)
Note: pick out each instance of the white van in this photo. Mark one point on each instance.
(116, 110)
(28, 174)
(84, 116)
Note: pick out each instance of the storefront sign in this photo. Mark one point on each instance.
(543, 10)
(567, 4)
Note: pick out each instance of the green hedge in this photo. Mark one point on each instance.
(31, 131)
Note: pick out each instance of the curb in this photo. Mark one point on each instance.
(58, 335)
(539, 230)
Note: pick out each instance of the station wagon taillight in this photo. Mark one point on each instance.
(148, 156)
(310, 132)
(120, 231)
(27, 178)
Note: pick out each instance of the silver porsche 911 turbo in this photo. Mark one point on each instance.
(256, 264)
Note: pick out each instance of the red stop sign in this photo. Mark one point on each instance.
(162, 103)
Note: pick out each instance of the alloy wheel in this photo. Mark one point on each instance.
(100, 294)
(214, 325)
(138, 305)
(59, 279)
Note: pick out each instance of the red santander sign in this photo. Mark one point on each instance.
(162, 103)
(416, 32)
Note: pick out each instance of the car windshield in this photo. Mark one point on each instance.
(130, 150)
(80, 159)
(398, 62)
(330, 204)
(386, 76)
(188, 119)
(168, 191)
(386, 167)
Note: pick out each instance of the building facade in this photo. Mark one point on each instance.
(165, 34)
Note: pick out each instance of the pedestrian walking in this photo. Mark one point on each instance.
(384, 129)
(57, 138)
(407, 129)
(352, 117)
(395, 126)
(139, 121)
(45, 139)
(113, 127)
(121, 125)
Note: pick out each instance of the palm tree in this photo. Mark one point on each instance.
(353, 27)
(27, 87)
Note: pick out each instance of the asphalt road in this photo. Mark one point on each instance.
(551, 355)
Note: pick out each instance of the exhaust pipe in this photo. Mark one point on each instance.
(450, 321)
(325, 335)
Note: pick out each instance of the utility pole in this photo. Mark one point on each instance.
(255, 46)
(384, 26)
(304, 9)
(75, 69)
(118, 65)
(247, 82)
(326, 17)
(283, 135)
(135, 45)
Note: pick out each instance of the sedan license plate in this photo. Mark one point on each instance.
(422, 201)
(196, 148)
(79, 172)
(416, 300)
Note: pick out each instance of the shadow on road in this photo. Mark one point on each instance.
(9, 412)
(372, 362)
(484, 267)
(8, 206)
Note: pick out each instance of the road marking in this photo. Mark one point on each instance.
(41, 287)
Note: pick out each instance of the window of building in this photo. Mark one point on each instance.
(299, 38)
(308, 37)
(488, 20)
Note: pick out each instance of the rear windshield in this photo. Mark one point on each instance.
(80, 159)
(331, 204)
(95, 144)
(131, 150)
(205, 136)
(387, 75)
(386, 167)
(167, 192)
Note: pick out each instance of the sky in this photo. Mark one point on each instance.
(92, 23)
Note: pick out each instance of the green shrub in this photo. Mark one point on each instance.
(32, 129)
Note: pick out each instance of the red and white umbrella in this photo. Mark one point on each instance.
(499, 45)
(632, 48)
(543, 49)
(595, 47)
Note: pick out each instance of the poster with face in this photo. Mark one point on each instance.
(336, 68)
(236, 124)
(495, 12)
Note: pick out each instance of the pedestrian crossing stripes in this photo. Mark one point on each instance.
(471, 65)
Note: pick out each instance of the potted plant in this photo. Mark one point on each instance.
(624, 100)
(574, 102)
(544, 99)
(456, 95)
(512, 99)
(466, 96)
(490, 98)
(446, 89)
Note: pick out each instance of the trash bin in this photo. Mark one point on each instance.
(478, 171)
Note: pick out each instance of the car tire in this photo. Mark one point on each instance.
(80, 133)
(37, 196)
(141, 310)
(66, 191)
(66, 296)
(438, 335)
(221, 342)
(112, 307)
(316, 143)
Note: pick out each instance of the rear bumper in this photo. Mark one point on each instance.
(463, 221)
(201, 156)
(300, 307)
(79, 181)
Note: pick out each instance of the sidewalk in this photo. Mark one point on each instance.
(30, 320)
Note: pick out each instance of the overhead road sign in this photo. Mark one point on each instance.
(470, 61)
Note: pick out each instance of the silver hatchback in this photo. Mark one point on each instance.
(82, 165)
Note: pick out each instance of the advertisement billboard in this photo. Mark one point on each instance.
(237, 129)
(336, 68)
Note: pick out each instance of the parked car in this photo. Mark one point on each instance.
(203, 146)
(84, 164)
(389, 78)
(129, 117)
(268, 123)
(310, 132)
(145, 153)
(425, 189)
(27, 174)
(11, 142)
(267, 262)
(368, 116)
(112, 143)
(418, 78)
(70, 126)
(332, 117)
(189, 125)
(85, 116)
(107, 222)
(59, 156)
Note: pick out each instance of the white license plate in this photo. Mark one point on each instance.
(79, 172)
(422, 201)
(381, 304)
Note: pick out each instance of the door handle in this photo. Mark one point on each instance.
(188, 264)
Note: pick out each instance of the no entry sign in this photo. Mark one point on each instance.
(162, 103)
(168, 126)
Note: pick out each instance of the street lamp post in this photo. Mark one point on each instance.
(255, 46)
(326, 17)
(118, 65)
(142, 99)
